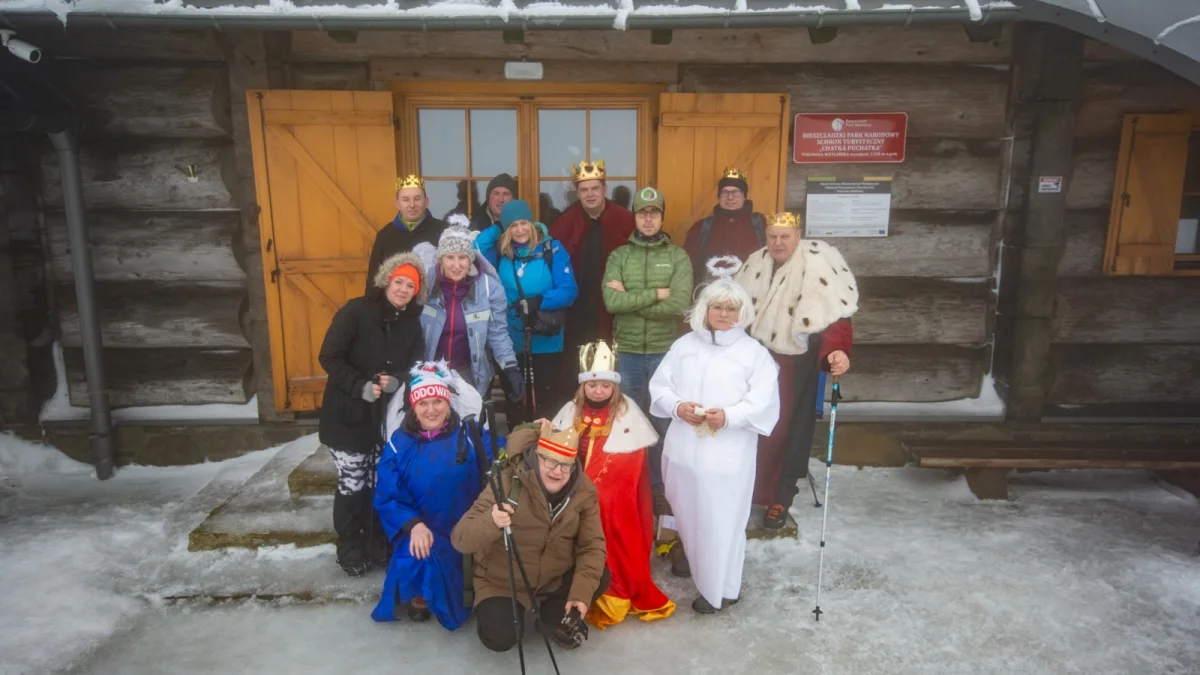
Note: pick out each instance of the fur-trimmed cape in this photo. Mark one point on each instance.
(631, 432)
(809, 292)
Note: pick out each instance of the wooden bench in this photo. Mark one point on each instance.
(988, 462)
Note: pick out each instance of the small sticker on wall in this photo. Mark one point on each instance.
(1050, 183)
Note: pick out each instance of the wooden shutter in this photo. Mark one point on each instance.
(324, 171)
(1147, 195)
(699, 135)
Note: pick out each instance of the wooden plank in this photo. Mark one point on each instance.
(322, 181)
(1084, 253)
(942, 101)
(336, 76)
(492, 70)
(921, 311)
(332, 266)
(923, 243)
(1008, 463)
(146, 377)
(914, 373)
(149, 314)
(1127, 310)
(327, 117)
(1093, 168)
(74, 40)
(145, 175)
(312, 292)
(1111, 90)
(307, 386)
(937, 174)
(1111, 373)
(152, 246)
(770, 121)
(248, 65)
(189, 101)
(854, 44)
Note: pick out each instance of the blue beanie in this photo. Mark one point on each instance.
(517, 209)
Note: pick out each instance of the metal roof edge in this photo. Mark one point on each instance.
(634, 21)
(1110, 33)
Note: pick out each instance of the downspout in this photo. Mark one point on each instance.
(66, 142)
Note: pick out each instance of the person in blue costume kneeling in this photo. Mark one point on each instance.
(429, 475)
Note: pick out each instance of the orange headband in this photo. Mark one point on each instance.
(409, 272)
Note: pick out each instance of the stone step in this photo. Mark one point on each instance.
(264, 513)
(316, 476)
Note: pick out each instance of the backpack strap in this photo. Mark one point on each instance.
(705, 228)
(760, 229)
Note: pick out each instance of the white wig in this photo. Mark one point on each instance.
(721, 290)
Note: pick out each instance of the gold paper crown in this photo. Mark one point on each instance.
(560, 446)
(736, 174)
(783, 219)
(409, 181)
(588, 171)
(596, 358)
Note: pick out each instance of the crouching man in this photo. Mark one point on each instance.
(553, 511)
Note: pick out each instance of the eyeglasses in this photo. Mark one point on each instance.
(552, 465)
(724, 309)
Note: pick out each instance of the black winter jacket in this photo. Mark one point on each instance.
(394, 238)
(367, 336)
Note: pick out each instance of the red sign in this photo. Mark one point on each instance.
(827, 138)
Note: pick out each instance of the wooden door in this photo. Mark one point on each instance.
(324, 173)
(700, 135)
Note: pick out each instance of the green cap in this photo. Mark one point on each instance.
(648, 196)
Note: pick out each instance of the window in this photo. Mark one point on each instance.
(458, 136)
(1156, 198)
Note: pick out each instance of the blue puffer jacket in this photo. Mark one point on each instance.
(555, 283)
(488, 242)
(484, 309)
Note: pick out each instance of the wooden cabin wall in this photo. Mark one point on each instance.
(1121, 345)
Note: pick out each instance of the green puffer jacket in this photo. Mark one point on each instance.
(643, 324)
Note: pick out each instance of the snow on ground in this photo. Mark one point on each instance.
(1083, 572)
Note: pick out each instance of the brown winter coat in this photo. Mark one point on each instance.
(549, 550)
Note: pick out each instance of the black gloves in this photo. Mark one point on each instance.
(529, 306)
(516, 384)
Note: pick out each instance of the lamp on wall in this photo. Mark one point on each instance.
(523, 70)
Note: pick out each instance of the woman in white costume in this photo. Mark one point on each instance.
(720, 388)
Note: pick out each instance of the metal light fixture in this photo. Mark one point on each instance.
(19, 48)
(523, 70)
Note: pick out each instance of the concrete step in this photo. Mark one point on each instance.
(316, 476)
(264, 513)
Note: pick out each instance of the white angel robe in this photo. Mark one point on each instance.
(709, 479)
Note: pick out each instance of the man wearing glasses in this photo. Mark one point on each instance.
(734, 228)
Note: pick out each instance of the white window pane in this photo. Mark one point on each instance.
(1185, 242)
(562, 135)
(443, 135)
(621, 192)
(554, 197)
(493, 142)
(614, 139)
(444, 198)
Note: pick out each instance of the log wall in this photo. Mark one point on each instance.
(1121, 346)
(157, 165)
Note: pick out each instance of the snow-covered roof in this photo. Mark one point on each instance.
(1164, 31)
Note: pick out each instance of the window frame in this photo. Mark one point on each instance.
(527, 98)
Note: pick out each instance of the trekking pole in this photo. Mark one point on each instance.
(369, 494)
(837, 394)
(511, 552)
(530, 390)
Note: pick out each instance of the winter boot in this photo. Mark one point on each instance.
(703, 606)
(775, 517)
(348, 524)
(418, 610)
(679, 561)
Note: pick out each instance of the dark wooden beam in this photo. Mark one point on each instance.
(1047, 72)
(14, 371)
(254, 62)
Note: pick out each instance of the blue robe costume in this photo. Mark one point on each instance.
(434, 482)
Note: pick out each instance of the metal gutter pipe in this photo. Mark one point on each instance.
(315, 21)
(66, 142)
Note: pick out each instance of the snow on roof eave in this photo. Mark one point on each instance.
(460, 16)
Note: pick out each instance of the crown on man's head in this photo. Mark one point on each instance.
(784, 219)
(588, 171)
(735, 173)
(410, 181)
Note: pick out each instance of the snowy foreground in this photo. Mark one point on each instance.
(1083, 572)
